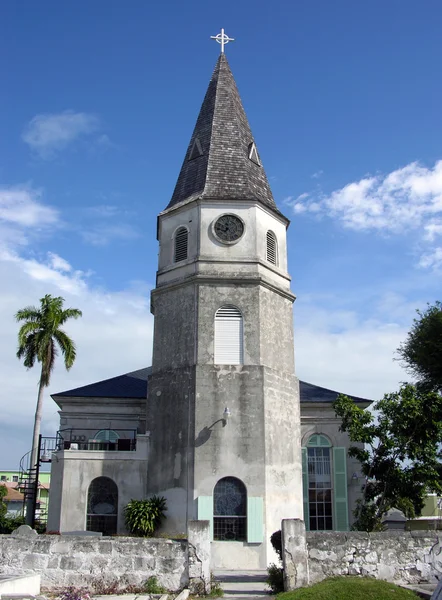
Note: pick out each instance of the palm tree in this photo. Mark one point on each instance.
(38, 339)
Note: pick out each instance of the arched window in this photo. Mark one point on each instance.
(180, 251)
(319, 483)
(272, 248)
(107, 435)
(102, 506)
(230, 510)
(228, 336)
(324, 472)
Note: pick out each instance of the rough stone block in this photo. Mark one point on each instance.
(294, 554)
(70, 563)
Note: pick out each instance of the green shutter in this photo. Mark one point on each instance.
(255, 518)
(340, 489)
(205, 511)
(305, 488)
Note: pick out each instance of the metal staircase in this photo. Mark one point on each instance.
(28, 479)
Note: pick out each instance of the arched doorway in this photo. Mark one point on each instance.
(102, 506)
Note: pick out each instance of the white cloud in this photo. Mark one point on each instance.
(21, 206)
(58, 263)
(47, 134)
(432, 259)
(317, 174)
(404, 200)
(432, 230)
(344, 351)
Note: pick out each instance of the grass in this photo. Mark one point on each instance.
(349, 588)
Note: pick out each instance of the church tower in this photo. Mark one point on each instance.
(223, 398)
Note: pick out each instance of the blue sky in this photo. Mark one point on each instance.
(98, 103)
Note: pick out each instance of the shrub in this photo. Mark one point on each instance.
(275, 578)
(276, 541)
(143, 517)
(152, 586)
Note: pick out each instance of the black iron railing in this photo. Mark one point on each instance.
(117, 440)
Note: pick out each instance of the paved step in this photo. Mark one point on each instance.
(243, 585)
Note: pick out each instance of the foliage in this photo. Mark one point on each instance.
(275, 578)
(143, 517)
(38, 339)
(398, 451)
(422, 350)
(276, 541)
(350, 588)
(73, 593)
(153, 587)
(3, 506)
(216, 590)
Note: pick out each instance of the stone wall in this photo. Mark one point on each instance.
(403, 557)
(89, 561)
(397, 556)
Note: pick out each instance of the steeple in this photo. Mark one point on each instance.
(222, 161)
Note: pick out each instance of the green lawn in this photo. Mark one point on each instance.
(349, 588)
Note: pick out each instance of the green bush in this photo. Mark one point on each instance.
(276, 541)
(143, 517)
(350, 588)
(152, 586)
(275, 578)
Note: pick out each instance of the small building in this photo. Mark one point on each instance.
(431, 517)
(11, 479)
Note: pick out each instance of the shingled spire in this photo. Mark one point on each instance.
(222, 162)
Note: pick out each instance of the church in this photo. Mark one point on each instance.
(219, 424)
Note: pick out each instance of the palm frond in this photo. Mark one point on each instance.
(67, 347)
(70, 313)
(29, 313)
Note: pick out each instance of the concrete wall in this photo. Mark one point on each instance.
(395, 556)
(86, 561)
(73, 472)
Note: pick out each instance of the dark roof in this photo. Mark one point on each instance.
(217, 164)
(134, 385)
(129, 385)
(315, 393)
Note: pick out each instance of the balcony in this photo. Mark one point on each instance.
(114, 440)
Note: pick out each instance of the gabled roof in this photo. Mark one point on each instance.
(222, 161)
(134, 385)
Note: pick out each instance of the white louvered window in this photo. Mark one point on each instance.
(180, 244)
(272, 248)
(228, 336)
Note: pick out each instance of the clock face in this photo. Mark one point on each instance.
(229, 228)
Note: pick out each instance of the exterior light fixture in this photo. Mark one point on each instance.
(226, 414)
(355, 477)
(46, 457)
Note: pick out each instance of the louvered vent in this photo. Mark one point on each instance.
(272, 251)
(181, 244)
(228, 336)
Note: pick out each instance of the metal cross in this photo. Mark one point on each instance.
(222, 39)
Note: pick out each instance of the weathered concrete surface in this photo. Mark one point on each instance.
(199, 556)
(294, 554)
(79, 561)
(23, 585)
